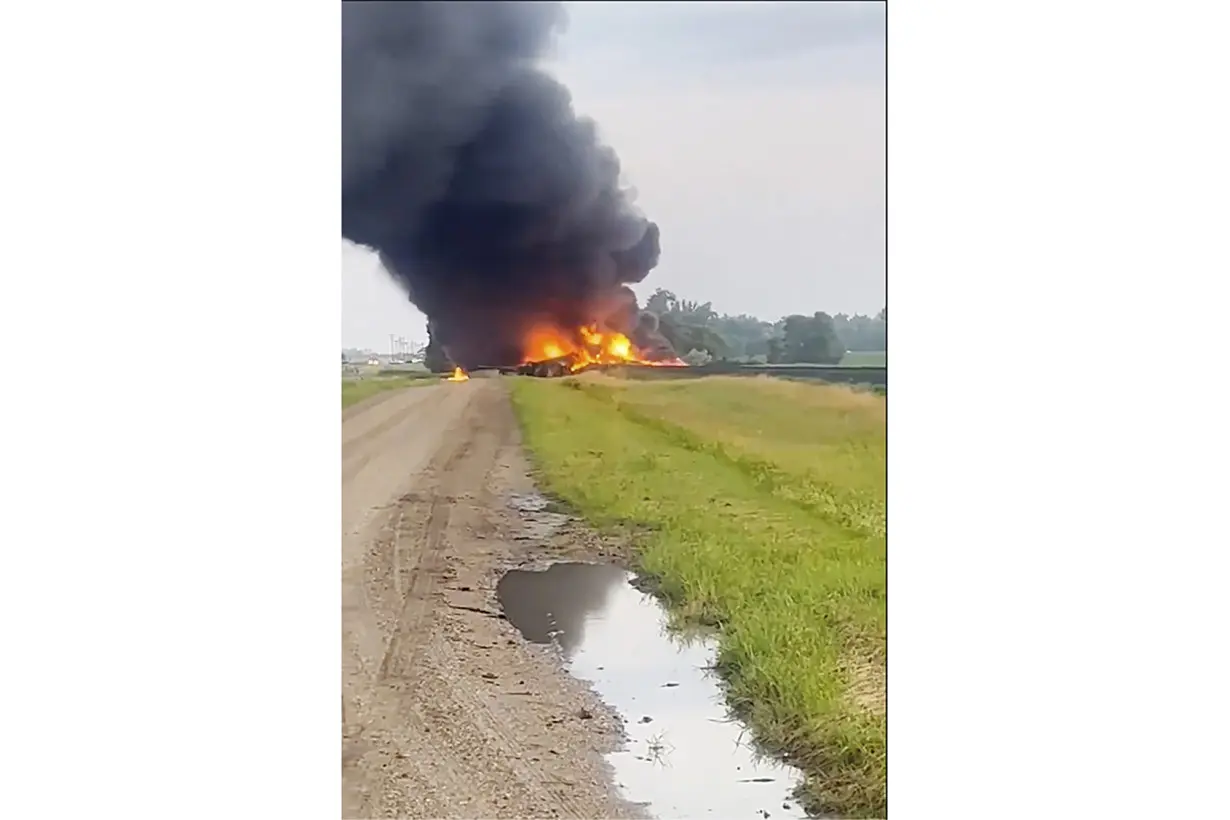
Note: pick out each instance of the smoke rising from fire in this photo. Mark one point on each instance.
(487, 197)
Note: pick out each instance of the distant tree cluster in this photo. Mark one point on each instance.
(699, 334)
(860, 332)
(816, 339)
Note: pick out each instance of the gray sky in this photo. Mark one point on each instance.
(754, 134)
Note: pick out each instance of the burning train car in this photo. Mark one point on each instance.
(550, 352)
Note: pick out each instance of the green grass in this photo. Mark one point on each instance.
(866, 358)
(356, 390)
(760, 508)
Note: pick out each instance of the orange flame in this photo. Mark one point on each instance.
(459, 375)
(587, 346)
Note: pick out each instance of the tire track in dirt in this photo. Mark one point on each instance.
(480, 703)
(421, 525)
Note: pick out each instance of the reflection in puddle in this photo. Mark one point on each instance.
(686, 757)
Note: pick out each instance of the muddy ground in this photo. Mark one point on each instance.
(446, 711)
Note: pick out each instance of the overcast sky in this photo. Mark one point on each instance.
(754, 133)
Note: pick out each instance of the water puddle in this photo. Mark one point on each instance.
(685, 757)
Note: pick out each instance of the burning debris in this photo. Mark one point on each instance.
(490, 201)
(586, 346)
(458, 375)
(549, 369)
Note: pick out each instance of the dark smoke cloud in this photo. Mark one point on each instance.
(466, 168)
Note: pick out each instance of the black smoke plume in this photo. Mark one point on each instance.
(487, 197)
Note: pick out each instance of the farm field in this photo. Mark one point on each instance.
(832, 374)
(756, 505)
(869, 358)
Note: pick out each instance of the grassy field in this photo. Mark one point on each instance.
(869, 358)
(758, 506)
(356, 390)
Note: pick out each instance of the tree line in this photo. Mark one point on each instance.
(700, 334)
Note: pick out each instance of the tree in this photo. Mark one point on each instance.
(695, 313)
(662, 302)
(819, 338)
(666, 303)
(685, 336)
(685, 323)
(859, 332)
(811, 340)
(745, 336)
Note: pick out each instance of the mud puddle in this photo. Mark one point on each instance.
(685, 757)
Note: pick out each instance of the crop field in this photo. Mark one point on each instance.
(832, 374)
(870, 358)
(755, 505)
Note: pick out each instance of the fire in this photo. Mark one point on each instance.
(587, 346)
(459, 375)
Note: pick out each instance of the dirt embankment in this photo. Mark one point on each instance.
(446, 713)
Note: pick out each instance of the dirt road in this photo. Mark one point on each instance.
(446, 712)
